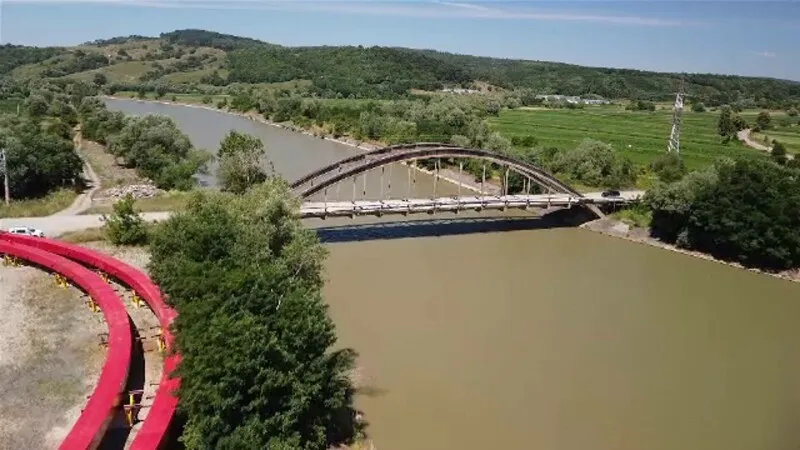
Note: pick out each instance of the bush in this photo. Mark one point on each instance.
(125, 226)
(669, 167)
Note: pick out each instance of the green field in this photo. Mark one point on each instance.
(639, 135)
(789, 136)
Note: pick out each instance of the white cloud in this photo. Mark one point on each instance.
(766, 54)
(421, 9)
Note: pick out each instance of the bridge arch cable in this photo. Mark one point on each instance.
(355, 165)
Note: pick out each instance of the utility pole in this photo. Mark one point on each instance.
(4, 168)
(674, 144)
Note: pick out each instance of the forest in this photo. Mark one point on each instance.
(391, 72)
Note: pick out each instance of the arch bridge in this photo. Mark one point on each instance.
(555, 192)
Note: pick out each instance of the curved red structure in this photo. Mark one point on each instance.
(91, 426)
(155, 429)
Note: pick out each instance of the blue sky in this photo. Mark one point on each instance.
(734, 37)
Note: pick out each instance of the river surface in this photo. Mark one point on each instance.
(543, 338)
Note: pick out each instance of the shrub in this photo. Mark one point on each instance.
(125, 226)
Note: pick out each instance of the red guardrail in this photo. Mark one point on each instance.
(154, 431)
(91, 426)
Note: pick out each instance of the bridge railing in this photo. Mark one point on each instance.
(100, 409)
(156, 427)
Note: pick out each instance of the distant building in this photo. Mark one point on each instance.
(572, 99)
(460, 91)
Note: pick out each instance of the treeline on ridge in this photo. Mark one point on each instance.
(389, 72)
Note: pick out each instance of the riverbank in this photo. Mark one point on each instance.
(618, 229)
(463, 180)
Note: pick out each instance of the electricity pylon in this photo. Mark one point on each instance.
(674, 144)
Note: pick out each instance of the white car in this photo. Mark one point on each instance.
(28, 231)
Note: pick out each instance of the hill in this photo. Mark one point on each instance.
(198, 57)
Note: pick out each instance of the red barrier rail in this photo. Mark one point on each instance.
(154, 431)
(100, 409)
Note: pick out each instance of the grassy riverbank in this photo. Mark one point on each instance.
(45, 206)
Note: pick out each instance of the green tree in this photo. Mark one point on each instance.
(763, 120)
(37, 106)
(100, 79)
(670, 204)
(161, 91)
(746, 216)
(38, 161)
(725, 126)
(158, 150)
(792, 112)
(258, 366)
(240, 162)
(778, 153)
(595, 163)
(669, 167)
(698, 107)
(125, 226)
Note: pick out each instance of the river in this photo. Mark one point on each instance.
(544, 338)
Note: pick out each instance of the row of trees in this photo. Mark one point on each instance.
(743, 211)
(151, 144)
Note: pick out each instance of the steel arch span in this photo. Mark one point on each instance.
(327, 176)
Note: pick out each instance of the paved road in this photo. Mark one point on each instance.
(55, 225)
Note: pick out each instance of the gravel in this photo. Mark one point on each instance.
(50, 358)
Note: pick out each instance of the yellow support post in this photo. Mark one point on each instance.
(136, 300)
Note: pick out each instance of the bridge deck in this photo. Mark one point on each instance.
(444, 204)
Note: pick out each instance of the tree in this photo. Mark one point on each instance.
(240, 162)
(258, 366)
(158, 150)
(778, 153)
(725, 126)
(763, 120)
(125, 226)
(161, 91)
(749, 216)
(698, 107)
(595, 163)
(100, 79)
(669, 167)
(792, 112)
(38, 161)
(670, 204)
(37, 106)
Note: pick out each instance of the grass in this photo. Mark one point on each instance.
(84, 236)
(172, 201)
(639, 135)
(45, 206)
(636, 216)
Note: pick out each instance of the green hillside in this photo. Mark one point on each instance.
(198, 57)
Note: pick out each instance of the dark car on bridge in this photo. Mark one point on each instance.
(611, 193)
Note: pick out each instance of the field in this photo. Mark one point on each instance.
(789, 136)
(639, 135)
